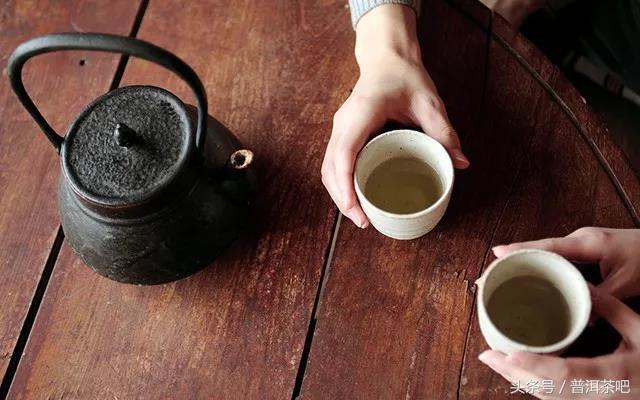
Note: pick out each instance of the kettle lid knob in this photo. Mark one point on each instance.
(127, 146)
(143, 160)
(124, 136)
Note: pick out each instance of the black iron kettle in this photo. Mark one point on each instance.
(144, 197)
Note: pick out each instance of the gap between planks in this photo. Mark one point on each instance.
(324, 274)
(324, 277)
(528, 145)
(30, 318)
(574, 120)
(485, 80)
(50, 263)
(124, 59)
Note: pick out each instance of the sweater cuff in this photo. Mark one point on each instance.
(361, 7)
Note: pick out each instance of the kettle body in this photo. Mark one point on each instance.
(177, 240)
(144, 198)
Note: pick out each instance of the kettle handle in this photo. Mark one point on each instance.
(108, 43)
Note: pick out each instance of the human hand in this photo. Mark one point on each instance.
(623, 365)
(393, 86)
(616, 250)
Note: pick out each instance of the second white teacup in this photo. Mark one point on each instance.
(404, 143)
(531, 266)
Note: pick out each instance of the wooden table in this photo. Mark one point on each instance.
(305, 304)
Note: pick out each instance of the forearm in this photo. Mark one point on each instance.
(385, 33)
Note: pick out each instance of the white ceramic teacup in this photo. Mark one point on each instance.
(542, 264)
(411, 144)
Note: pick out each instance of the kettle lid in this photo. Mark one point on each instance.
(127, 146)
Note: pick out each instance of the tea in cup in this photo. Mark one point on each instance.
(403, 181)
(532, 300)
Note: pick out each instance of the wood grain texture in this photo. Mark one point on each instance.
(598, 136)
(61, 87)
(589, 125)
(561, 185)
(396, 319)
(394, 316)
(275, 72)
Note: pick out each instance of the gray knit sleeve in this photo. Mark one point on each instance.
(361, 7)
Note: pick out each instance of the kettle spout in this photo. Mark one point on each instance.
(237, 180)
(239, 159)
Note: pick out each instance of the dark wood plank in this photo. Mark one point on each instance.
(393, 317)
(523, 49)
(475, 10)
(562, 185)
(275, 73)
(590, 126)
(28, 164)
(596, 133)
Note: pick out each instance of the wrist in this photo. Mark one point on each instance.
(387, 32)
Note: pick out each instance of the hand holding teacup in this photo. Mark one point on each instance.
(403, 180)
(532, 300)
(393, 86)
(622, 365)
(618, 253)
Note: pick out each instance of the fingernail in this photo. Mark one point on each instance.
(487, 357)
(362, 221)
(357, 219)
(457, 154)
(497, 248)
(351, 215)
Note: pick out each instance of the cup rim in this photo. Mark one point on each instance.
(432, 141)
(583, 288)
